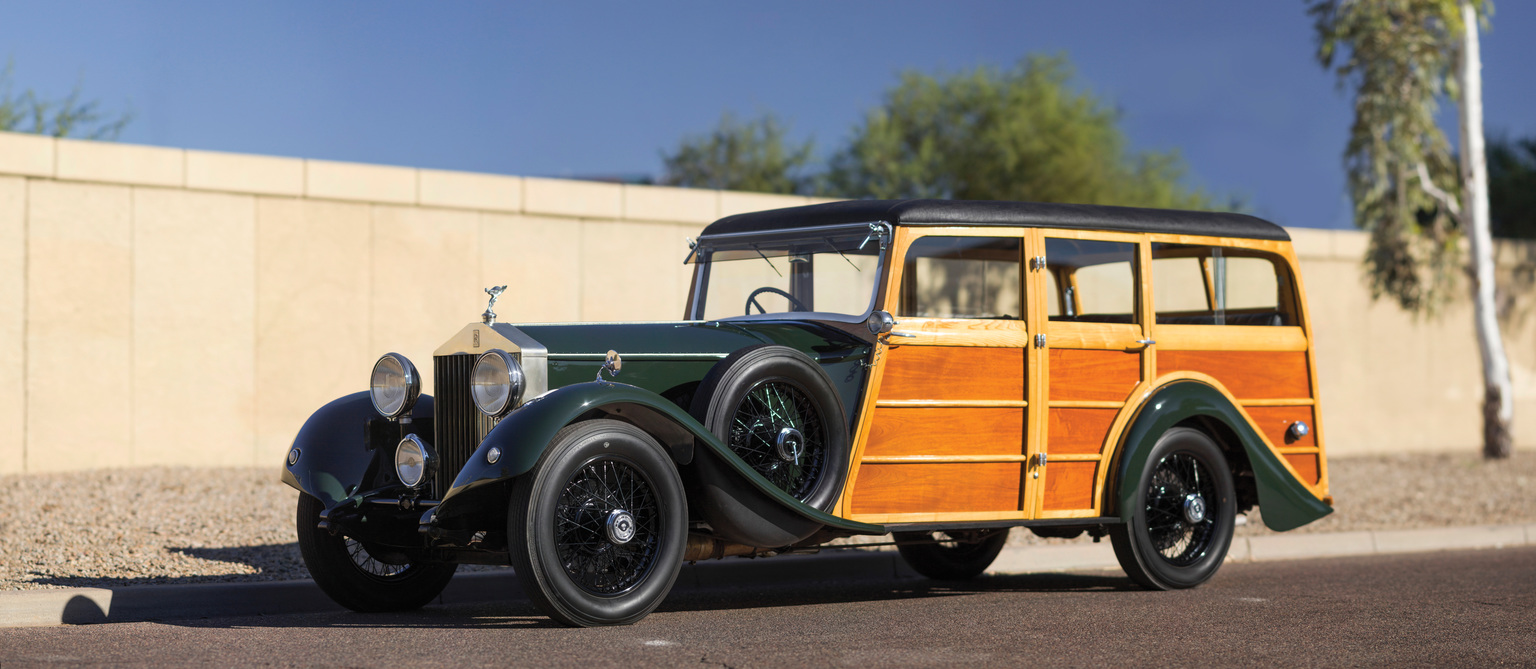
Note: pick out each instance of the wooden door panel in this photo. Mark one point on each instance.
(953, 373)
(937, 488)
(1080, 430)
(1093, 375)
(945, 432)
(1069, 485)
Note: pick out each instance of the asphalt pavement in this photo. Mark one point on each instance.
(1417, 609)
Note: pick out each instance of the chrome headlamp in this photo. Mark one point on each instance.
(414, 461)
(497, 382)
(394, 386)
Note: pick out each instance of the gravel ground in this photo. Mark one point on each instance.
(181, 525)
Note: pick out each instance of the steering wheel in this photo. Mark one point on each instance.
(795, 305)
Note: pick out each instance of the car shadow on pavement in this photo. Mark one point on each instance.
(516, 612)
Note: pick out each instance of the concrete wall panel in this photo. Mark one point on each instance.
(426, 281)
(79, 326)
(578, 199)
(618, 255)
(535, 258)
(194, 291)
(672, 205)
(313, 265)
(13, 320)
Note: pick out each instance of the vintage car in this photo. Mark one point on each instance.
(938, 371)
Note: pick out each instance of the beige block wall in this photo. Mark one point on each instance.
(161, 306)
(13, 320)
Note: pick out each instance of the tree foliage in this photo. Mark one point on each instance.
(1397, 57)
(1512, 186)
(70, 116)
(1024, 133)
(749, 155)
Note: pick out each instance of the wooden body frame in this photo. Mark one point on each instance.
(1268, 372)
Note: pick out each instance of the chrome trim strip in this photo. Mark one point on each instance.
(533, 356)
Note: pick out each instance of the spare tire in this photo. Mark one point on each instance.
(778, 411)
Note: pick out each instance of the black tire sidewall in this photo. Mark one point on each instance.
(325, 556)
(1156, 571)
(948, 563)
(531, 524)
(721, 392)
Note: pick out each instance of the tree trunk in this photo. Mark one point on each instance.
(1498, 396)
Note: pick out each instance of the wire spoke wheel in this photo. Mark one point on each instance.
(602, 492)
(1181, 510)
(362, 579)
(368, 564)
(778, 431)
(1178, 483)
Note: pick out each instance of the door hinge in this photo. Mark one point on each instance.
(1039, 341)
(1037, 263)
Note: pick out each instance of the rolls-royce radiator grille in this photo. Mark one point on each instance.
(460, 426)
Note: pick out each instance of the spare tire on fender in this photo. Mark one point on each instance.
(779, 412)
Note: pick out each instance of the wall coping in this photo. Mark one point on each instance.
(36, 156)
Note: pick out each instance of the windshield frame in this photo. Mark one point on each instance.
(698, 293)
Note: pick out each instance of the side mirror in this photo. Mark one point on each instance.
(880, 322)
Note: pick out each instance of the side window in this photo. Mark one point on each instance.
(1213, 285)
(962, 277)
(1096, 280)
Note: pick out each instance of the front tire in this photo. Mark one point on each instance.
(1181, 527)
(597, 529)
(964, 555)
(348, 574)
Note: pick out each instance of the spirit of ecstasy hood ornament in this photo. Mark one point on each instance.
(489, 317)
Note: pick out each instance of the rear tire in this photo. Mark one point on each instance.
(1181, 527)
(971, 552)
(348, 574)
(597, 529)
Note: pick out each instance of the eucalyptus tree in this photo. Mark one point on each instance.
(1400, 57)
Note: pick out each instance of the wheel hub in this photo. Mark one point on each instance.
(621, 527)
(789, 445)
(1194, 509)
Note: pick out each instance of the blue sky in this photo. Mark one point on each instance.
(598, 88)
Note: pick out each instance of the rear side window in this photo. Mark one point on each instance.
(1213, 285)
(1095, 281)
(962, 277)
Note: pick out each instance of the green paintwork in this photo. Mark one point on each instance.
(525, 433)
(1286, 502)
(665, 358)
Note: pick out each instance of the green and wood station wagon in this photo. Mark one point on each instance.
(937, 371)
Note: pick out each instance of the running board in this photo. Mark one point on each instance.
(990, 524)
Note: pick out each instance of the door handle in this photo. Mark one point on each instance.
(1146, 342)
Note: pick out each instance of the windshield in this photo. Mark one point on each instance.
(829, 271)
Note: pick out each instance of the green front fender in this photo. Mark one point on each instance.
(523, 436)
(1285, 501)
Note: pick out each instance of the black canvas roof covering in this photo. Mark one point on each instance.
(978, 212)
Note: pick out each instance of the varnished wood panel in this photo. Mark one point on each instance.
(1246, 374)
(1069, 485)
(1078, 430)
(953, 373)
(1305, 464)
(946, 432)
(1275, 423)
(937, 488)
(1093, 375)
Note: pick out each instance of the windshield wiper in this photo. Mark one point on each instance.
(766, 260)
(840, 252)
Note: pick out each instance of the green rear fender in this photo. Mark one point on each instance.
(523, 436)
(1286, 502)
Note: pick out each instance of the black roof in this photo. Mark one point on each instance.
(987, 212)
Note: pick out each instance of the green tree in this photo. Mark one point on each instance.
(69, 116)
(1512, 186)
(1024, 133)
(750, 156)
(1401, 57)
